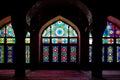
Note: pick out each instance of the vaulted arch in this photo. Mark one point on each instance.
(59, 41)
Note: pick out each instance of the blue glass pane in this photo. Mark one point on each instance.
(28, 35)
(109, 31)
(59, 40)
(9, 31)
(46, 32)
(59, 29)
(2, 32)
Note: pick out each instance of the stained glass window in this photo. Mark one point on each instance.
(27, 48)
(90, 53)
(111, 40)
(10, 54)
(27, 55)
(55, 53)
(1, 54)
(90, 46)
(118, 41)
(9, 31)
(10, 41)
(1, 40)
(118, 53)
(73, 40)
(59, 40)
(45, 53)
(7, 37)
(110, 54)
(63, 54)
(56, 37)
(72, 53)
(103, 54)
(2, 32)
(108, 41)
(46, 32)
(59, 29)
(109, 31)
(46, 40)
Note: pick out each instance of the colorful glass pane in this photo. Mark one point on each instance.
(118, 41)
(55, 54)
(59, 29)
(9, 31)
(110, 54)
(118, 53)
(73, 40)
(103, 53)
(46, 40)
(28, 35)
(72, 53)
(1, 54)
(27, 54)
(109, 31)
(90, 53)
(45, 53)
(2, 32)
(46, 32)
(117, 32)
(1, 40)
(90, 34)
(72, 32)
(59, 40)
(10, 54)
(10, 40)
(90, 40)
(107, 41)
(63, 53)
(27, 40)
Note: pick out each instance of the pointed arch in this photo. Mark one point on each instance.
(59, 18)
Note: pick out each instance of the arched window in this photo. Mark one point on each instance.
(27, 47)
(7, 41)
(111, 41)
(90, 46)
(59, 41)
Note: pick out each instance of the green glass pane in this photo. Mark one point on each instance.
(118, 41)
(107, 41)
(10, 41)
(1, 54)
(1, 40)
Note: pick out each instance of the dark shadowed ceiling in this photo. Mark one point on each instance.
(98, 7)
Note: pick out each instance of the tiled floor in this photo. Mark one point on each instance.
(47, 75)
(58, 75)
